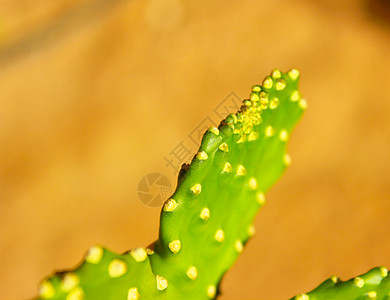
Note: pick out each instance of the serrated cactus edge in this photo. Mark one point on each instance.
(206, 223)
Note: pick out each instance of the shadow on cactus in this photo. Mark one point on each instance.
(206, 223)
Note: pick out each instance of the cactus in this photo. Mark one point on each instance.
(373, 285)
(206, 223)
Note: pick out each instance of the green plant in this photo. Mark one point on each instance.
(209, 218)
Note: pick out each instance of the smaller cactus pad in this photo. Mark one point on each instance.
(373, 285)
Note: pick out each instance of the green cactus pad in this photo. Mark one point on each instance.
(209, 218)
(373, 285)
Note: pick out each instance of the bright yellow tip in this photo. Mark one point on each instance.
(276, 74)
(359, 282)
(260, 198)
(372, 295)
(293, 73)
(274, 103)
(117, 268)
(192, 273)
(268, 82)
(205, 214)
(76, 294)
(287, 160)
(170, 205)
(149, 251)
(334, 279)
(254, 97)
(253, 136)
(227, 168)
(224, 147)
(253, 183)
(302, 297)
(202, 155)
(139, 254)
(175, 246)
(211, 291)
(384, 271)
(302, 104)
(251, 230)
(214, 130)
(280, 84)
(241, 170)
(196, 189)
(46, 290)
(238, 246)
(256, 88)
(69, 281)
(263, 97)
(133, 294)
(283, 135)
(94, 255)
(162, 283)
(295, 96)
(219, 235)
(269, 131)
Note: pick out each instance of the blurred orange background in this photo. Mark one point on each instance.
(95, 93)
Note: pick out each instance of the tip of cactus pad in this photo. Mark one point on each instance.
(205, 224)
